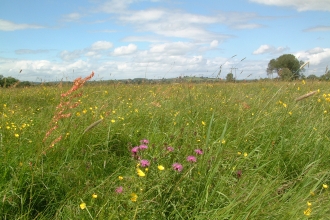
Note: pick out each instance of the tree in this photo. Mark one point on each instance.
(230, 77)
(282, 64)
(7, 81)
(312, 77)
(326, 76)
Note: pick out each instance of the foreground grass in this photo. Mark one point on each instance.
(264, 155)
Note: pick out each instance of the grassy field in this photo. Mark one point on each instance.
(166, 151)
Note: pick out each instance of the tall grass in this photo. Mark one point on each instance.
(264, 155)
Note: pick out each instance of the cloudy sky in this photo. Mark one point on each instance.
(119, 39)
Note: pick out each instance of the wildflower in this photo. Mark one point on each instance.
(170, 149)
(285, 105)
(119, 190)
(178, 167)
(199, 151)
(309, 204)
(191, 159)
(144, 141)
(143, 147)
(223, 141)
(290, 113)
(308, 211)
(17, 135)
(312, 193)
(245, 154)
(134, 197)
(325, 186)
(120, 177)
(203, 123)
(140, 172)
(134, 151)
(239, 153)
(239, 174)
(160, 167)
(94, 196)
(113, 121)
(82, 205)
(144, 163)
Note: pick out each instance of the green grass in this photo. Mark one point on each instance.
(264, 154)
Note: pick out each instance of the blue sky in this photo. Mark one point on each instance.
(120, 39)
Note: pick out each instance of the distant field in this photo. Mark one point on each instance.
(166, 151)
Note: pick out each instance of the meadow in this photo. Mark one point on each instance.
(166, 151)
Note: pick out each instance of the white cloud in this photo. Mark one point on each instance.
(115, 6)
(101, 45)
(28, 51)
(10, 26)
(214, 44)
(315, 56)
(70, 56)
(318, 28)
(265, 48)
(300, 5)
(246, 26)
(72, 17)
(175, 48)
(125, 50)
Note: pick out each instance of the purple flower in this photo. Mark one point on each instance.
(144, 141)
(170, 149)
(144, 163)
(199, 151)
(135, 150)
(239, 174)
(119, 190)
(143, 147)
(178, 167)
(191, 159)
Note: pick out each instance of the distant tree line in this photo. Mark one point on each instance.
(9, 81)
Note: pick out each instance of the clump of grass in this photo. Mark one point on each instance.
(208, 155)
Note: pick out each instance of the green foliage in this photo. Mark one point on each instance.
(312, 77)
(7, 81)
(326, 76)
(263, 153)
(287, 67)
(230, 77)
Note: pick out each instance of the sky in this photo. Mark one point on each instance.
(47, 40)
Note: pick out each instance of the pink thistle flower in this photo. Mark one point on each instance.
(119, 190)
(178, 167)
(144, 141)
(170, 149)
(143, 147)
(134, 151)
(199, 151)
(191, 159)
(144, 163)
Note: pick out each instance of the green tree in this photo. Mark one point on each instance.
(230, 77)
(282, 64)
(312, 77)
(7, 81)
(326, 76)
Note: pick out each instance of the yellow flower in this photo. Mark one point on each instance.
(312, 193)
(120, 177)
(303, 82)
(94, 196)
(308, 211)
(160, 167)
(325, 186)
(17, 135)
(284, 105)
(134, 197)
(78, 114)
(82, 205)
(223, 141)
(290, 113)
(203, 123)
(140, 172)
(309, 204)
(245, 154)
(113, 121)
(239, 153)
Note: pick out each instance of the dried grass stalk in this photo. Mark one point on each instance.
(305, 96)
(93, 125)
